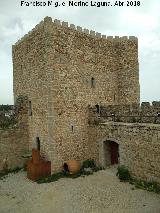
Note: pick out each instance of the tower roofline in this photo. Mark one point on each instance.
(79, 29)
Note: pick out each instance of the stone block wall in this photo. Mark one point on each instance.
(13, 146)
(30, 78)
(84, 70)
(139, 147)
(14, 139)
(62, 69)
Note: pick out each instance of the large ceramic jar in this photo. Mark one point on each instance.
(72, 166)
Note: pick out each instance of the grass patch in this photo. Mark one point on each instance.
(57, 176)
(6, 172)
(64, 174)
(150, 186)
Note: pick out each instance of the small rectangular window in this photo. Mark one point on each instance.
(30, 109)
(38, 143)
(97, 108)
(72, 128)
(92, 82)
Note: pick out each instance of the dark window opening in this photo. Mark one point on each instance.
(38, 143)
(97, 108)
(92, 82)
(72, 128)
(30, 108)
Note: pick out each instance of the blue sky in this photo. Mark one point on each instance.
(142, 21)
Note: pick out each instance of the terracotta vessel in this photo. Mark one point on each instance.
(72, 166)
(37, 167)
(40, 170)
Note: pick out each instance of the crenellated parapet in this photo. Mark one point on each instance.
(134, 113)
(38, 26)
(63, 24)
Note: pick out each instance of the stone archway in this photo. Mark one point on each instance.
(109, 153)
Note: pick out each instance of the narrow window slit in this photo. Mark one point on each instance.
(38, 143)
(92, 82)
(30, 108)
(72, 128)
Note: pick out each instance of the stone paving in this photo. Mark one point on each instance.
(101, 192)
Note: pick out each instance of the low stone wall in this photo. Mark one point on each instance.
(135, 113)
(13, 145)
(139, 146)
(14, 136)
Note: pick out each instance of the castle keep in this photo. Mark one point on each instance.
(70, 77)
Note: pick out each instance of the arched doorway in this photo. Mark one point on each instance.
(111, 152)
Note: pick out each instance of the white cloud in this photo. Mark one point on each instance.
(140, 21)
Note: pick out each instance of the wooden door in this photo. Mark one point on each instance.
(114, 152)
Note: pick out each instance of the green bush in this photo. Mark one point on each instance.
(123, 173)
(88, 164)
(7, 122)
(6, 108)
(97, 168)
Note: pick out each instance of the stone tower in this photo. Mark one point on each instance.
(62, 70)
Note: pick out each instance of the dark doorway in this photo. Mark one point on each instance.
(114, 151)
(111, 153)
(38, 143)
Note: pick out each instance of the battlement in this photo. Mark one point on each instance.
(40, 25)
(92, 33)
(135, 113)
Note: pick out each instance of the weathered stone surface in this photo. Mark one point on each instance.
(62, 70)
(134, 113)
(14, 141)
(139, 147)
